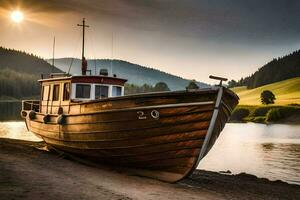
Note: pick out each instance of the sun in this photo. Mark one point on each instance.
(17, 16)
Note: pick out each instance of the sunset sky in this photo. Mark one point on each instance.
(189, 38)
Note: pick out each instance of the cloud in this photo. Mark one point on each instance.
(258, 21)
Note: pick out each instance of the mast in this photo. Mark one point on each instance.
(84, 65)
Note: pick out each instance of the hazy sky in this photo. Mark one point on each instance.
(189, 38)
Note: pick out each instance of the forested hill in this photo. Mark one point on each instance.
(135, 74)
(24, 63)
(19, 72)
(279, 69)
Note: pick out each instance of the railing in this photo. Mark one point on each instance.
(31, 105)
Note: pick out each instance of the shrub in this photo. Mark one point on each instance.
(259, 119)
(274, 115)
(261, 111)
(161, 86)
(239, 113)
(192, 85)
(294, 104)
(290, 110)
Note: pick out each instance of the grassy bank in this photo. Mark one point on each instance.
(286, 92)
(285, 110)
(289, 114)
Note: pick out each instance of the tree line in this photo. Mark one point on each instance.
(21, 61)
(278, 69)
(158, 87)
(17, 85)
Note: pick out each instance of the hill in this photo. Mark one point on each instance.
(24, 63)
(19, 72)
(135, 74)
(286, 92)
(278, 69)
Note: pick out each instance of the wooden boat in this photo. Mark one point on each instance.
(162, 135)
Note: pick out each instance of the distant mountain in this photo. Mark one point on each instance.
(279, 69)
(135, 74)
(24, 63)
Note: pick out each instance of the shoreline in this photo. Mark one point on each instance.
(266, 123)
(267, 114)
(27, 172)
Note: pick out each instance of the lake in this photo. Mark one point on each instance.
(271, 151)
(10, 110)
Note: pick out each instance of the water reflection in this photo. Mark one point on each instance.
(282, 158)
(266, 151)
(10, 110)
(16, 130)
(267, 147)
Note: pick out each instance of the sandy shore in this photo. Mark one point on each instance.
(29, 173)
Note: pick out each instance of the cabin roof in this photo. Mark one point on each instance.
(87, 79)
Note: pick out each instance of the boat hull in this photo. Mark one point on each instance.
(155, 135)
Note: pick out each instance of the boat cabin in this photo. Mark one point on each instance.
(59, 92)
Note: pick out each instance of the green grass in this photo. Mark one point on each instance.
(286, 92)
(267, 114)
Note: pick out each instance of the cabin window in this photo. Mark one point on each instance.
(55, 96)
(46, 92)
(66, 96)
(83, 91)
(101, 91)
(116, 91)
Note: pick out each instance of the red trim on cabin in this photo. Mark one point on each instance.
(88, 79)
(98, 79)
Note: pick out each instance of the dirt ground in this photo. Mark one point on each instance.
(29, 173)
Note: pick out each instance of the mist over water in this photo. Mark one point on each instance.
(269, 151)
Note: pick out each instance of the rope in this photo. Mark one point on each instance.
(93, 49)
(73, 55)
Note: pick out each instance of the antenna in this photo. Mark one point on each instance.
(53, 54)
(95, 66)
(112, 53)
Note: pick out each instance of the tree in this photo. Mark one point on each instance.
(192, 85)
(161, 86)
(267, 97)
(135, 89)
(232, 84)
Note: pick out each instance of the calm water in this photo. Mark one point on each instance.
(10, 110)
(16, 130)
(270, 151)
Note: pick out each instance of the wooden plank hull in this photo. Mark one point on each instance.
(156, 135)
